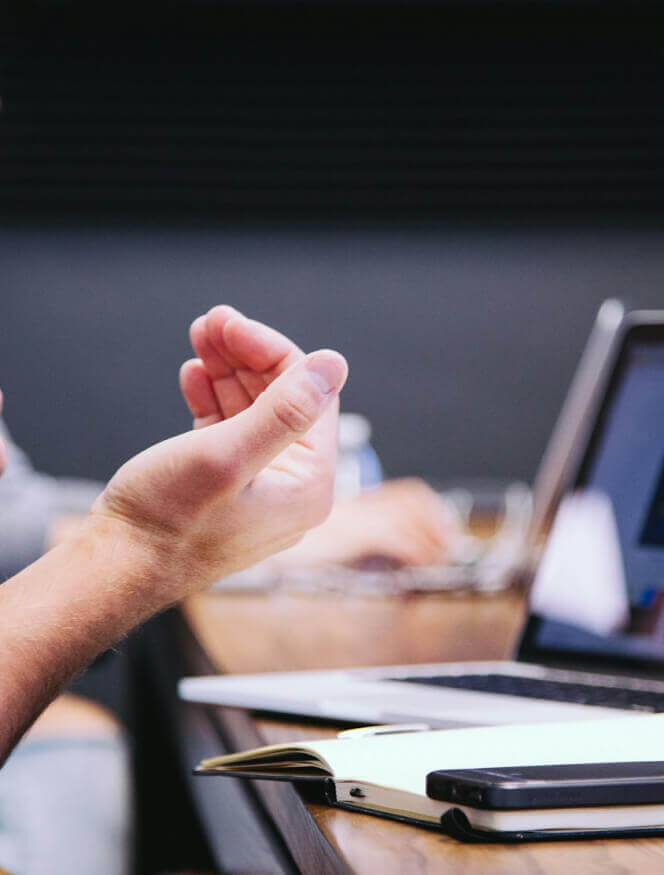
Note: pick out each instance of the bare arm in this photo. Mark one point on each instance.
(175, 518)
(60, 612)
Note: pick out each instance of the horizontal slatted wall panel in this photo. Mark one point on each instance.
(331, 118)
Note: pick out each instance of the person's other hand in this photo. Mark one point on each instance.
(402, 522)
(222, 497)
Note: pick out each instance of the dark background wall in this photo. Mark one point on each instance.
(444, 191)
(381, 111)
(460, 344)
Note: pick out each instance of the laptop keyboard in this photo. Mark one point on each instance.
(555, 691)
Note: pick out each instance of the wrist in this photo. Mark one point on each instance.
(145, 563)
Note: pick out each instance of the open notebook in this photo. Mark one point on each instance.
(383, 771)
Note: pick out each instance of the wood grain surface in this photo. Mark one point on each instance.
(282, 631)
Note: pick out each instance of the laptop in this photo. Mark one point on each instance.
(608, 451)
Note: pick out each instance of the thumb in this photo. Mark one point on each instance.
(288, 409)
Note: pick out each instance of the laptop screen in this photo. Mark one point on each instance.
(598, 595)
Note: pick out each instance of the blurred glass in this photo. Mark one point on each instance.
(358, 465)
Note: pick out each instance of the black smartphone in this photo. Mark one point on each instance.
(567, 786)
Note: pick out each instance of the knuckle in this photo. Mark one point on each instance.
(296, 414)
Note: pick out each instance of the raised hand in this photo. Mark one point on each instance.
(261, 473)
(237, 359)
(179, 515)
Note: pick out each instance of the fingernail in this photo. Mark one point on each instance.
(328, 370)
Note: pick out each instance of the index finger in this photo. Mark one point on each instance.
(258, 347)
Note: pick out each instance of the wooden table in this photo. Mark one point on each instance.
(269, 827)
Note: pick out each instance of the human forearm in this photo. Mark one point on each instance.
(67, 607)
(179, 515)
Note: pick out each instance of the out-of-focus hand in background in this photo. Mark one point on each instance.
(402, 522)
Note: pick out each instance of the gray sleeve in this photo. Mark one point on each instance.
(29, 502)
